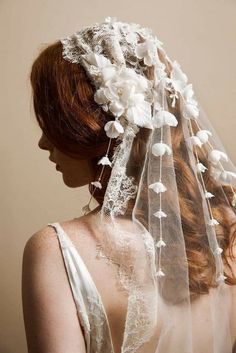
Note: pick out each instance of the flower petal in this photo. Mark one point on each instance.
(160, 273)
(140, 115)
(160, 214)
(160, 243)
(164, 117)
(218, 250)
(97, 184)
(201, 168)
(104, 161)
(158, 187)
(203, 135)
(213, 222)
(196, 141)
(215, 156)
(113, 129)
(160, 148)
(208, 195)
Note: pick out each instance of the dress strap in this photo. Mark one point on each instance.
(90, 308)
(76, 282)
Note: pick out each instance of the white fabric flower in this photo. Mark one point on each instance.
(179, 78)
(113, 129)
(160, 273)
(218, 250)
(97, 184)
(158, 187)
(191, 110)
(196, 141)
(223, 176)
(221, 278)
(124, 91)
(160, 243)
(203, 135)
(160, 214)
(213, 222)
(147, 51)
(201, 167)
(104, 161)
(164, 117)
(215, 156)
(160, 148)
(208, 195)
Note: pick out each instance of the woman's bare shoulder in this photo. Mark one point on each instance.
(44, 286)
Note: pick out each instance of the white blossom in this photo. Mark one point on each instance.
(201, 167)
(113, 129)
(160, 214)
(218, 250)
(208, 195)
(221, 278)
(215, 156)
(196, 141)
(160, 243)
(160, 148)
(164, 117)
(160, 273)
(97, 184)
(213, 222)
(203, 135)
(223, 176)
(147, 51)
(104, 161)
(158, 187)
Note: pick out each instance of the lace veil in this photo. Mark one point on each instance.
(171, 189)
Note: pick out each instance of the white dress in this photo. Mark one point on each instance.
(90, 309)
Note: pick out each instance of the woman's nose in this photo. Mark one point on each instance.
(44, 143)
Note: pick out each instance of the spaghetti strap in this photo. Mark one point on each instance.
(90, 308)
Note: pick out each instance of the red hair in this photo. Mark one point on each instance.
(68, 115)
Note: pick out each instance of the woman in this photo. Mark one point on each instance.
(151, 268)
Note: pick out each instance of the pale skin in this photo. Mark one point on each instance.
(50, 317)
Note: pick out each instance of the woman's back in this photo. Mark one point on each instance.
(111, 303)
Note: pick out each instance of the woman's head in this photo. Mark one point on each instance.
(72, 122)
